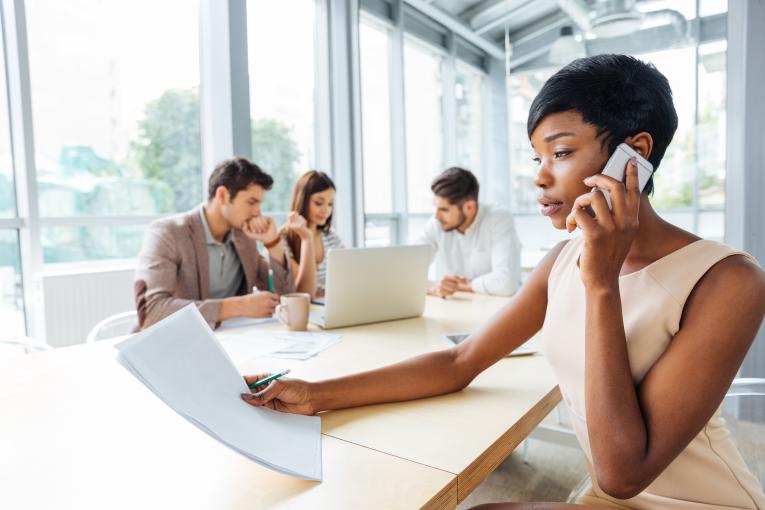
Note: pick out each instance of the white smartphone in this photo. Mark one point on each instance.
(617, 165)
(526, 349)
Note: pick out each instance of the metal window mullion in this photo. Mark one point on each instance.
(97, 221)
(345, 114)
(322, 96)
(11, 224)
(396, 77)
(22, 144)
(449, 103)
(224, 83)
(696, 145)
(496, 134)
(487, 169)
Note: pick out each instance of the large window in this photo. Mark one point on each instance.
(116, 118)
(7, 193)
(11, 295)
(374, 42)
(469, 123)
(281, 67)
(396, 211)
(423, 86)
(690, 182)
(710, 145)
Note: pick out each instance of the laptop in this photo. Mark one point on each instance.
(367, 285)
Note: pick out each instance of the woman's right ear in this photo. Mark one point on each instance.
(642, 143)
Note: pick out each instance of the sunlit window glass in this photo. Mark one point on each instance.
(7, 194)
(468, 94)
(116, 106)
(374, 43)
(423, 96)
(11, 294)
(280, 37)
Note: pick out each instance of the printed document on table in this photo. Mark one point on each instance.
(243, 322)
(247, 344)
(304, 345)
(242, 348)
(182, 362)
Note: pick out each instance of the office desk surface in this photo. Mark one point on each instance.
(79, 432)
(467, 433)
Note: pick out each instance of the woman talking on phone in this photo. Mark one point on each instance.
(643, 323)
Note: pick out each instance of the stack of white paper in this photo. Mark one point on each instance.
(243, 322)
(247, 344)
(242, 348)
(182, 362)
(303, 345)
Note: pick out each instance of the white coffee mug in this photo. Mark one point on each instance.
(293, 311)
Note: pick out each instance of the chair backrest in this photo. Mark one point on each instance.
(21, 345)
(747, 386)
(115, 325)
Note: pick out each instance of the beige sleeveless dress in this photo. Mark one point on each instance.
(709, 473)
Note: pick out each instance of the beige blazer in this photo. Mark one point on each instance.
(173, 270)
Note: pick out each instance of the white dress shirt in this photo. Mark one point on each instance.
(488, 253)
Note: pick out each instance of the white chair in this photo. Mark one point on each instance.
(22, 345)
(747, 387)
(741, 387)
(116, 325)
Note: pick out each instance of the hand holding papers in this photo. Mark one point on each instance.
(182, 362)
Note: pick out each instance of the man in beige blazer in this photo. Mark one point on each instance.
(209, 256)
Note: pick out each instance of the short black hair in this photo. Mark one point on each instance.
(618, 94)
(456, 185)
(237, 174)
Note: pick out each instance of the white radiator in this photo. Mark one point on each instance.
(73, 301)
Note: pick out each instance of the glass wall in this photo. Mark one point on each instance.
(116, 116)
(468, 92)
(433, 87)
(281, 66)
(7, 193)
(690, 182)
(11, 291)
(423, 99)
(374, 51)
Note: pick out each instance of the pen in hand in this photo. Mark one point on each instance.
(268, 379)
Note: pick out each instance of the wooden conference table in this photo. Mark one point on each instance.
(78, 431)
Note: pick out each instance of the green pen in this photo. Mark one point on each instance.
(268, 379)
(270, 280)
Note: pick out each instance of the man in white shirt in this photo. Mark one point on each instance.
(477, 246)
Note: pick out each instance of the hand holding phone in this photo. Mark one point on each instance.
(617, 164)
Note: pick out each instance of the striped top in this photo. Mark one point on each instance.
(330, 241)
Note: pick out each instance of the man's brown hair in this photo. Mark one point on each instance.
(456, 185)
(237, 174)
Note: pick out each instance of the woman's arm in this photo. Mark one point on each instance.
(305, 279)
(305, 269)
(430, 374)
(636, 432)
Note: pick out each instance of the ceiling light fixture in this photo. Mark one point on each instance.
(566, 48)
